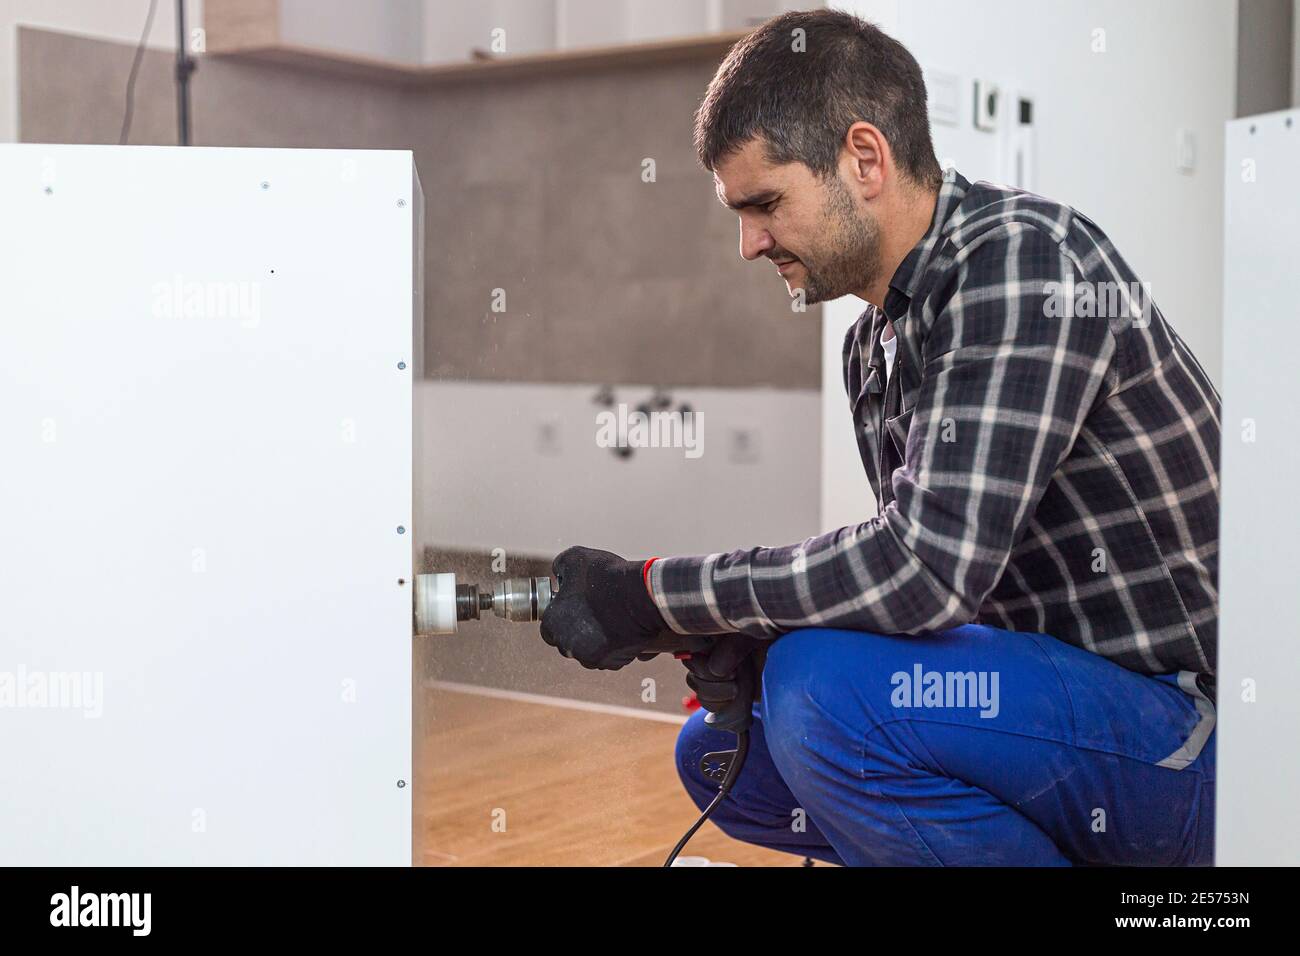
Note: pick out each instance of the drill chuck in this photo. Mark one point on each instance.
(515, 599)
(441, 603)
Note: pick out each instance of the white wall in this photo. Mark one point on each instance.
(1105, 133)
(494, 481)
(107, 19)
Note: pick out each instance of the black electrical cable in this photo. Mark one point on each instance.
(733, 771)
(135, 69)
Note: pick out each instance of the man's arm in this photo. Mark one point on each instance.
(1006, 386)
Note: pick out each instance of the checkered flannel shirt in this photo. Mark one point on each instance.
(1044, 458)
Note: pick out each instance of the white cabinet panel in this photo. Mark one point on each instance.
(1259, 667)
(206, 377)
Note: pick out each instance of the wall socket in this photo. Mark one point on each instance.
(548, 437)
(988, 104)
(1185, 151)
(743, 445)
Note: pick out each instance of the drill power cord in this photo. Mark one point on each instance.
(733, 772)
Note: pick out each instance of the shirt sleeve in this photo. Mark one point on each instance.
(1009, 376)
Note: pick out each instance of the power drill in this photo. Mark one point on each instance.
(441, 604)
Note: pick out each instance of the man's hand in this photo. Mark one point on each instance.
(603, 615)
(727, 679)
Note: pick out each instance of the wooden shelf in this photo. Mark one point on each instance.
(487, 68)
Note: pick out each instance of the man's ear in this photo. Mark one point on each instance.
(866, 158)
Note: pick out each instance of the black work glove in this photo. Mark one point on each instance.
(602, 615)
(727, 679)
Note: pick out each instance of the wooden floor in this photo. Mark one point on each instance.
(572, 788)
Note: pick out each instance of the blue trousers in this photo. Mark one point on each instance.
(974, 746)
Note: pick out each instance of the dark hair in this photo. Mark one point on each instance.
(801, 101)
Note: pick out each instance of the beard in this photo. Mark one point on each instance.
(848, 259)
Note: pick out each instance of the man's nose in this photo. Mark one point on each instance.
(754, 241)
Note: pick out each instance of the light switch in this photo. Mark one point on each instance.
(945, 97)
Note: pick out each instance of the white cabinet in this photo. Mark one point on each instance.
(1259, 668)
(206, 374)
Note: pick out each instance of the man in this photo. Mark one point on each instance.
(1013, 663)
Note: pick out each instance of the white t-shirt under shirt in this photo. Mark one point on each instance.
(889, 342)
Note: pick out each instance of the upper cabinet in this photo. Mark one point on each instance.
(428, 41)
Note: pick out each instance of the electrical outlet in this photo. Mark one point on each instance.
(987, 105)
(743, 445)
(548, 437)
(1185, 151)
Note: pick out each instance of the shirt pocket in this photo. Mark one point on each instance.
(898, 427)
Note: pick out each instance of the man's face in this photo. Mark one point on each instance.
(819, 235)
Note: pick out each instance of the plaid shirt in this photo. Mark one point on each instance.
(1051, 447)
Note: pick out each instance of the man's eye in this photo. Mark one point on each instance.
(768, 207)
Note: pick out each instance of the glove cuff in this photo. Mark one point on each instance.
(635, 599)
(645, 576)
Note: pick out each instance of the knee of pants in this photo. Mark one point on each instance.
(808, 686)
(807, 665)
